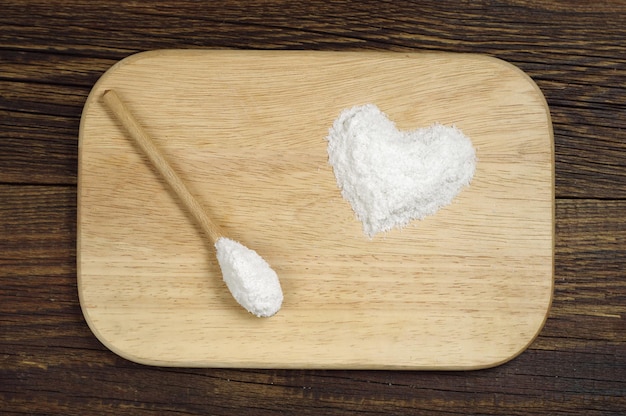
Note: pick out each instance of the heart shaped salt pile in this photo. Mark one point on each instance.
(391, 177)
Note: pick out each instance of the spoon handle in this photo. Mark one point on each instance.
(160, 163)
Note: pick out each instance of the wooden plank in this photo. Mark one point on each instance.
(48, 69)
(510, 28)
(38, 149)
(259, 120)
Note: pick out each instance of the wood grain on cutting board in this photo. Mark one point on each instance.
(469, 287)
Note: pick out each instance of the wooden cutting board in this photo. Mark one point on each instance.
(467, 288)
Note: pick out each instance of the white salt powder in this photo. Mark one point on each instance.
(391, 177)
(249, 278)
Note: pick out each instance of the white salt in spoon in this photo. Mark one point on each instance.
(249, 278)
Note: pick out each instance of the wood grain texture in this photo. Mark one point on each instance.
(53, 51)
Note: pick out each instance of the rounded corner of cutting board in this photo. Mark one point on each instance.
(128, 60)
(95, 329)
(519, 72)
(110, 343)
(517, 352)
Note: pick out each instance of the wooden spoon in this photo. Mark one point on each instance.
(248, 276)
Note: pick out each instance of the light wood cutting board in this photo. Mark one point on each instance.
(467, 288)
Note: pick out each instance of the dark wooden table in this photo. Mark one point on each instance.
(51, 54)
